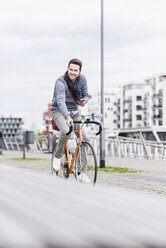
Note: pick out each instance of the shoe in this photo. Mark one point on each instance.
(56, 163)
(83, 178)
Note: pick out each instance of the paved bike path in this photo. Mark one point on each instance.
(40, 211)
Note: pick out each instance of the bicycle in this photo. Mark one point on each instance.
(83, 159)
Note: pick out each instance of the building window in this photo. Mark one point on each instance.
(105, 115)
(139, 98)
(138, 107)
(139, 117)
(160, 123)
(107, 100)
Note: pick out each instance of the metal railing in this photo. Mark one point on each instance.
(16, 143)
(131, 148)
(114, 147)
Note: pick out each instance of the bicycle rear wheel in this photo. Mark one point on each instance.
(86, 162)
(63, 172)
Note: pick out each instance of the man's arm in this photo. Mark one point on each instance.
(84, 90)
(61, 97)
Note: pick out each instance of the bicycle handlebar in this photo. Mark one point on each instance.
(70, 130)
(86, 122)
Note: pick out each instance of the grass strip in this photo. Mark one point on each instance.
(113, 169)
(28, 159)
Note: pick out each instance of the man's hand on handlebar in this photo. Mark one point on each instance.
(69, 120)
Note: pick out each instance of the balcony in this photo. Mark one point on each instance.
(157, 116)
(159, 96)
(157, 106)
(127, 119)
(127, 100)
(117, 103)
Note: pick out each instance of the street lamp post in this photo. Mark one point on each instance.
(102, 136)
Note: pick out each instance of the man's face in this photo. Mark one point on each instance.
(73, 71)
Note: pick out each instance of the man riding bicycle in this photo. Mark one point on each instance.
(70, 91)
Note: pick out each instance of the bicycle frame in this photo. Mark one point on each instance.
(69, 160)
(70, 166)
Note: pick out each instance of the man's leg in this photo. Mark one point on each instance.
(61, 123)
(77, 117)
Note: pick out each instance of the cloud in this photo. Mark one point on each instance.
(136, 61)
(131, 22)
(38, 38)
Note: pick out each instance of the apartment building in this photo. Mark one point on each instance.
(133, 105)
(10, 125)
(133, 97)
(156, 98)
(112, 107)
(144, 103)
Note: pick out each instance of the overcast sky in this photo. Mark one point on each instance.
(39, 37)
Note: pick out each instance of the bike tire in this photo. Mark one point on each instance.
(86, 162)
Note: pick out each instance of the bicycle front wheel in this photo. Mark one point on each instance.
(86, 162)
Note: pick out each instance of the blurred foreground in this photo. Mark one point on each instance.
(37, 210)
(135, 174)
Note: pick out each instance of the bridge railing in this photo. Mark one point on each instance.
(16, 143)
(114, 147)
(131, 148)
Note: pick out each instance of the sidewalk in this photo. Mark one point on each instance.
(35, 161)
(151, 166)
(150, 178)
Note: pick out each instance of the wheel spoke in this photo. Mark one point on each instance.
(86, 162)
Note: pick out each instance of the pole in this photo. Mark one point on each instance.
(102, 136)
(24, 144)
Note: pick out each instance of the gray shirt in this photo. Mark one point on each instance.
(62, 98)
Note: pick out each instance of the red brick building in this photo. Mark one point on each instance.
(47, 117)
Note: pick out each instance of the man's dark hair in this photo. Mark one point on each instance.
(76, 62)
